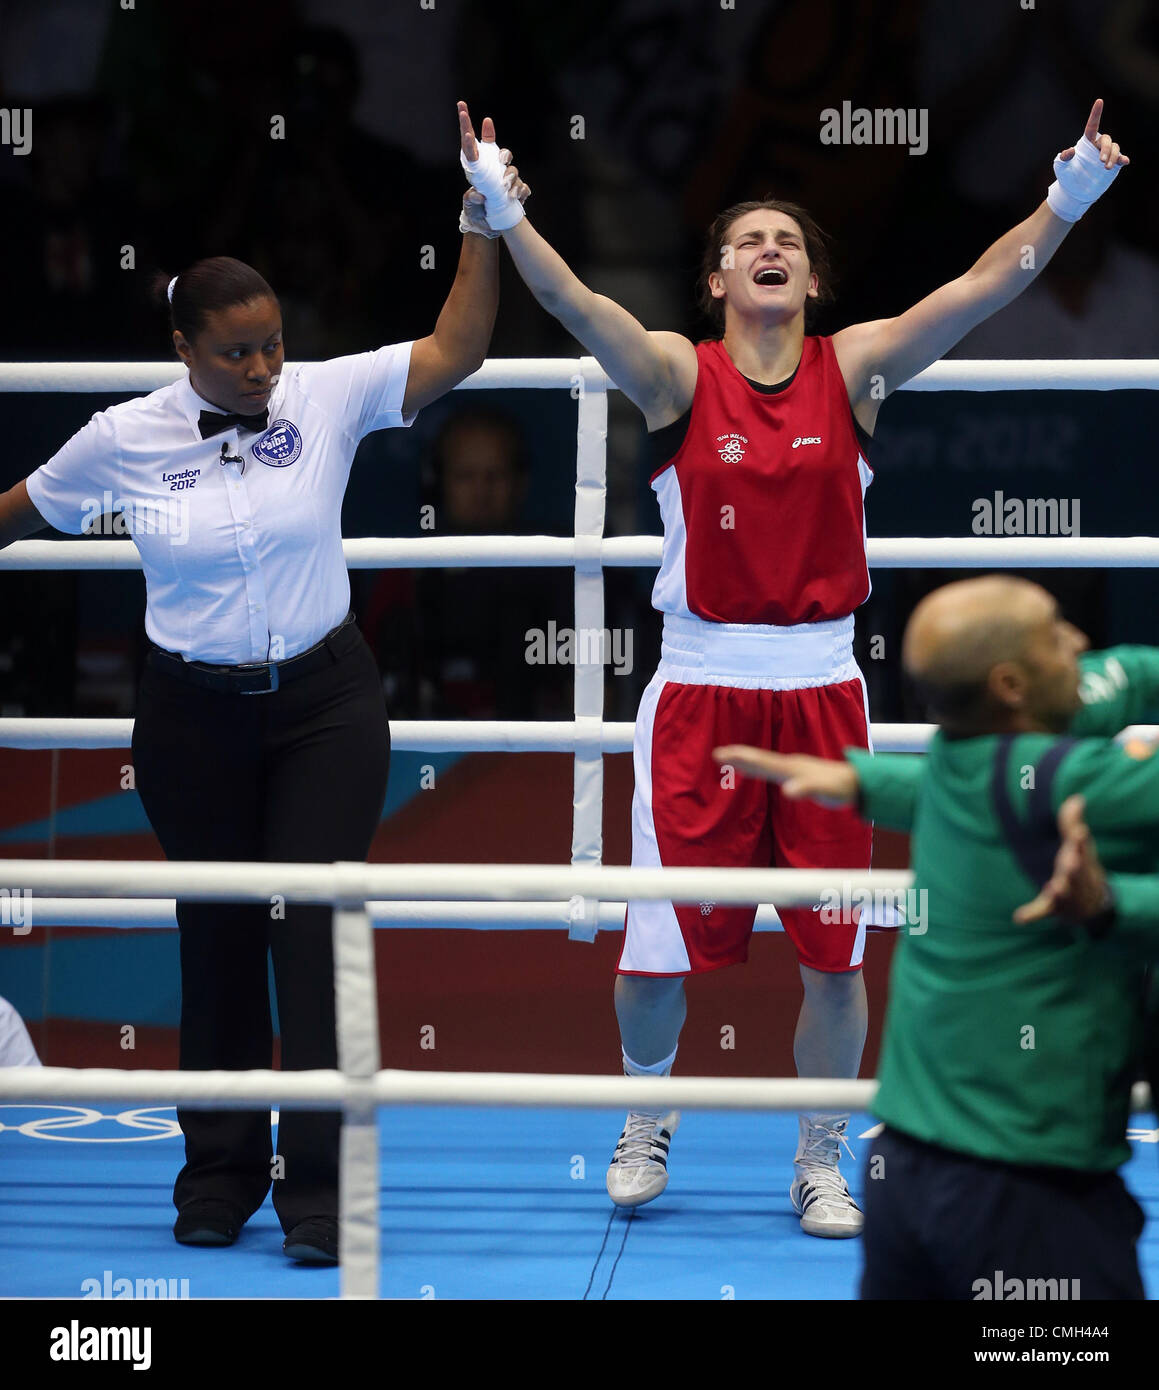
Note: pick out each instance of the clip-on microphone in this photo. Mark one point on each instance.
(227, 457)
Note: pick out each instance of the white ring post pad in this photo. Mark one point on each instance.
(590, 496)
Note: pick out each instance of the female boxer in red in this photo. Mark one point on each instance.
(759, 440)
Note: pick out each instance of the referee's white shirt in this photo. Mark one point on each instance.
(16, 1048)
(243, 561)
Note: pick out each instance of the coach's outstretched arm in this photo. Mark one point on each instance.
(882, 788)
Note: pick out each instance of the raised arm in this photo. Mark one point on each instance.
(876, 358)
(18, 516)
(656, 371)
(462, 333)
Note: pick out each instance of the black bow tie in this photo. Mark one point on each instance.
(211, 423)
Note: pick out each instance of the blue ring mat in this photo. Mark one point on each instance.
(475, 1203)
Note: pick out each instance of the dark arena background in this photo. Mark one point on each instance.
(317, 140)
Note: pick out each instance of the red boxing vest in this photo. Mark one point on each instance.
(764, 502)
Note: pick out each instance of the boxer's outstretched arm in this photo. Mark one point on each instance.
(876, 358)
(656, 371)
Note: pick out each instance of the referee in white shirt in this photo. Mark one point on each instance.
(261, 730)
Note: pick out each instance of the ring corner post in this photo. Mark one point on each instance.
(356, 1022)
(590, 508)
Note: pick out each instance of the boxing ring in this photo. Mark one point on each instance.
(580, 897)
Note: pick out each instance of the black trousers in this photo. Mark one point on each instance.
(945, 1225)
(298, 775)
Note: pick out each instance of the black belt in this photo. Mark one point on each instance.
(256, 678)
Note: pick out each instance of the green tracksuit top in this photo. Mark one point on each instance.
(1020, 1043)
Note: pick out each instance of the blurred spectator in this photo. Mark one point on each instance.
(419, 95)
(1130, 41)
(345, 250)
(50, 47)
(1096, 297)
(16, 1048)
(1008, 87)
(509, 60)
(1001, 79)
(810, 56)
(478, 472)
(454, 643)
(67, 295)
(38, 643)
(190, 84)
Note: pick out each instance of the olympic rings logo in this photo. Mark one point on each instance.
(148, 1124)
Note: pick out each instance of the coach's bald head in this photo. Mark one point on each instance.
(994, 655)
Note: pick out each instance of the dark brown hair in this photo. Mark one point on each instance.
(219, 282)
(816, 248)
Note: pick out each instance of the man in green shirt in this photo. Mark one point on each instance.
(1009, 1051)
(1079, 890)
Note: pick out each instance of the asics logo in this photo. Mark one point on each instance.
(806, 439)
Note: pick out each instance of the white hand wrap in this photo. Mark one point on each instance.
(1079, 181)
(489, 175)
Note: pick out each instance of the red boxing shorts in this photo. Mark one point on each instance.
(791, 689)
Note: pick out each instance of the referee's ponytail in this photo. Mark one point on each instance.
(219, 282)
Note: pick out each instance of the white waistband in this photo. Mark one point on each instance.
(695, 652)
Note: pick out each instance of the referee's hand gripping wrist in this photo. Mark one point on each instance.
(472, 218)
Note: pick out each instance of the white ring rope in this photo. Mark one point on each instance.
(406, 735)
(635, 552)
(525, 373)
(554, 373)
(159, 914)
(358, 884)
(448, 735)
(320, 1090)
